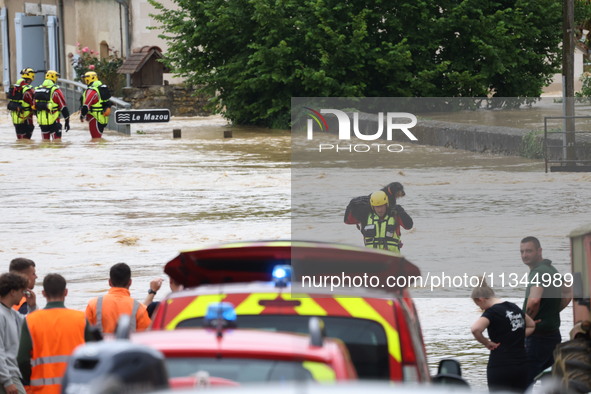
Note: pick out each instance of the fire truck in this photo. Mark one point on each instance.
(265, 281)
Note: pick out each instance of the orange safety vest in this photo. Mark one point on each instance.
(55, 333)
(18, 306)
(104, 311)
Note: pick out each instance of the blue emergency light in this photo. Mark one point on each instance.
(220, 315)
(281, 275)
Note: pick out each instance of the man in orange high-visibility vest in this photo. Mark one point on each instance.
(48, 338)
(104, 311)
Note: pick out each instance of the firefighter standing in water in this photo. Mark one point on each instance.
(96, 106)
(359, 208)
(21, 101)
(49, 103)
(379, 231)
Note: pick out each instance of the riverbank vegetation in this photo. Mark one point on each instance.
(254, 55)
(532, 145)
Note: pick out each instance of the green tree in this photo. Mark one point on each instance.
(254, 55)
(582, 15)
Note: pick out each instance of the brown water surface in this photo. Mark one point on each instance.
(77, 207)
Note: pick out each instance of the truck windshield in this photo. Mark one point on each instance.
(365, 339)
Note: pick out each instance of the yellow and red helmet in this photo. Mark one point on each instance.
(52, 75)
(89, 77)
(28, 73)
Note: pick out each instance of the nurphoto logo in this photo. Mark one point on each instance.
(394, 121)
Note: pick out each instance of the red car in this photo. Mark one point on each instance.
(210, 356)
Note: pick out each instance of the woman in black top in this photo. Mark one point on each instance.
(507, 327)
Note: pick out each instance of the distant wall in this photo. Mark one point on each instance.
(476, 138)
(179, 99)
(506, 141)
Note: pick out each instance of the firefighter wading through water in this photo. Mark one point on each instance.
(20, 104)
(96, 106)
(379, 231)
(50, 102)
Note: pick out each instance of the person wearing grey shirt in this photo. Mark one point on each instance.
(12, 288)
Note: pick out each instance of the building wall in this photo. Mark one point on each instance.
(47, 7)
(181, 100)
(555, 88)
(88, 22)
(141, 35)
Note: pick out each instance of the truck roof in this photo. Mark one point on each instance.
(254, 261)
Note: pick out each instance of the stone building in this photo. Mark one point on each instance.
(47, 34)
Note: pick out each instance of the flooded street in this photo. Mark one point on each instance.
(77, 207)
(470, 212)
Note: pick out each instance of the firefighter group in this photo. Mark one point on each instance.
(47, 102)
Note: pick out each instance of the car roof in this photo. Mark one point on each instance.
(254, 261)
(239, 343)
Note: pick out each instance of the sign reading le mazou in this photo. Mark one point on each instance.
(142, 116)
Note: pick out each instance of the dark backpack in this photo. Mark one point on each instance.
(104, 92)
(15, 93)
(14, 106)
(358, 210)
(42, 97)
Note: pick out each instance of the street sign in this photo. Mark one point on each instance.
(142, 116)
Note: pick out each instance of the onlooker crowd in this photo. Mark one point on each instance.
(521, 340)
(36, 344)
